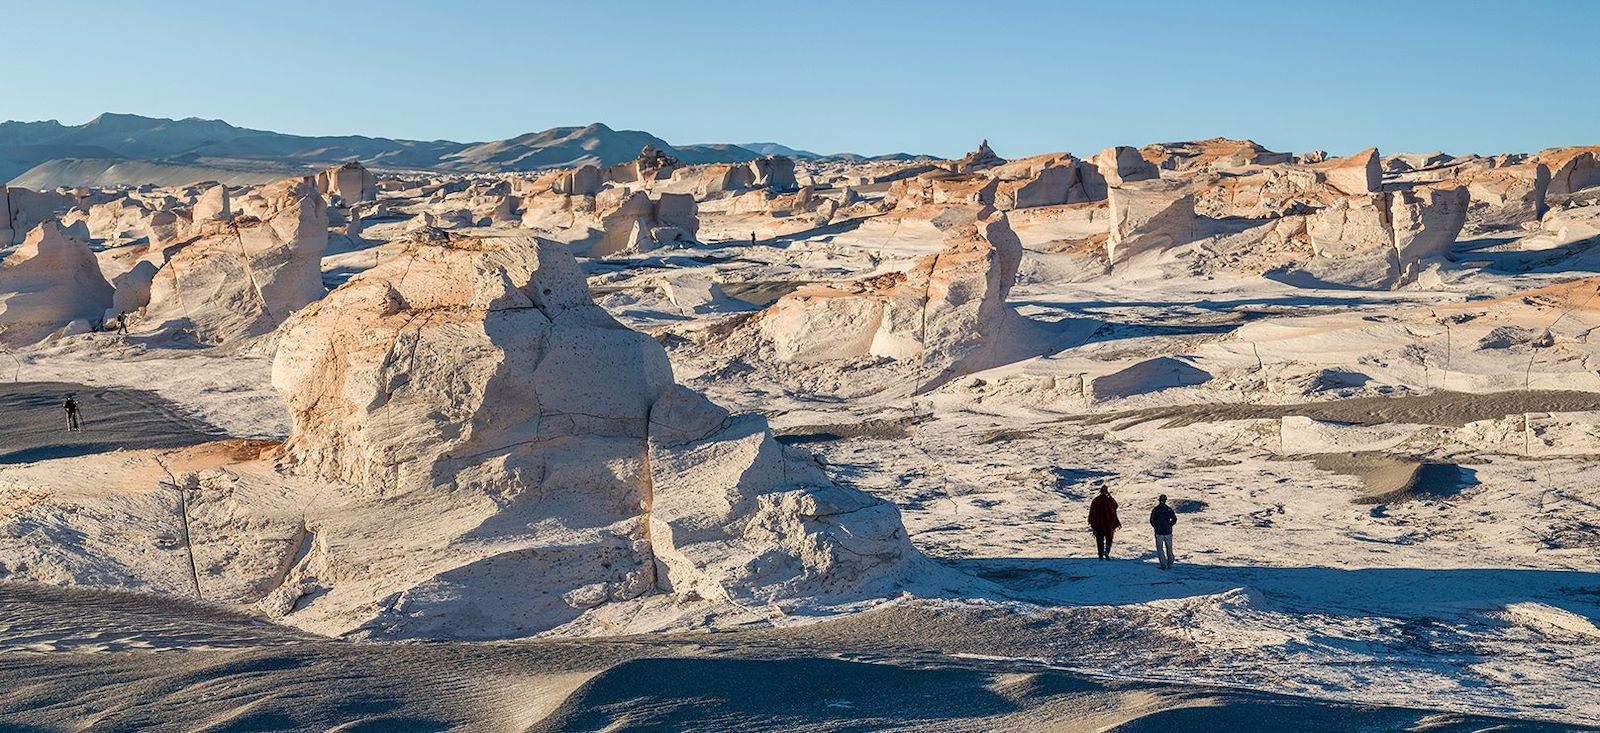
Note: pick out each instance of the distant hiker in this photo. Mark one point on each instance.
(752, 239)
(71, 406)
(122, 322)
(1162, 518)
(1103, 520)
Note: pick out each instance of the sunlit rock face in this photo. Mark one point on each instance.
(242, 277)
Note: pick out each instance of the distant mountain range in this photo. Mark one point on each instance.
(118, 149)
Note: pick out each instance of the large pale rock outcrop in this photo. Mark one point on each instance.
(212, 205)
(350, 183)
(1046, 180)
(118, 221)
(1508, 196)
(632, 222)
(1425, 221)
(942, 188)
(947, 314)
(244, 276)
(581, 181)
(1571, 169)
(981, 159)
(774, 172)
(51, 280)
(1150, 216)
(1122, 164)
(1380, 239)
(1358, 174)
(712, 181)
(543, 457)
(27, 208)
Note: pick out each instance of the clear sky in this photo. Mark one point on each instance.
(869, 76)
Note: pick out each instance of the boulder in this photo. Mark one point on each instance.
(47, 282)
(243, 277)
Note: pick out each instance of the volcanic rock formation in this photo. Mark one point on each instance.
(473, 386)
(350, 183)
(946, 314)
(244, 276)
(50, 281)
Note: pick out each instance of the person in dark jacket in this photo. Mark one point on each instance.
(1161, 519)
(71, 406)
(1103, 520)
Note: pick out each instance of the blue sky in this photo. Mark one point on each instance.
(867, 76)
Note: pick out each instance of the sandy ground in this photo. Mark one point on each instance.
(100, 660)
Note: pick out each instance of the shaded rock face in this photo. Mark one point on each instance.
(477, 375)
(947, 313)
(243, 277)
(51, 280)
(1149, 217)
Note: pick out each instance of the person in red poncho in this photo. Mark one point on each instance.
(1103, 520)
